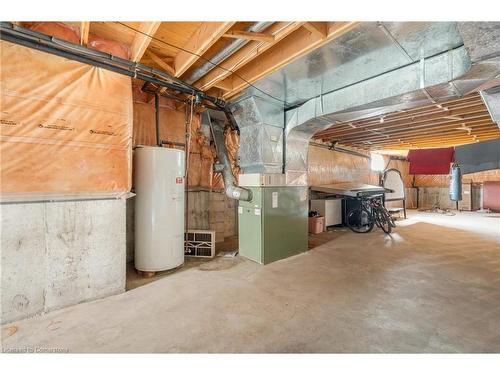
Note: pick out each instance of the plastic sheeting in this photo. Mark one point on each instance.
(109, 46)
(66, 127)
(444, 180)
(476, 157)
(330, 167)
(56, 29)
(172, 129)
(72, 34)
(172, 124)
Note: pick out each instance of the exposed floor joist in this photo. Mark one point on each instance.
(245, 55)
(262, 37)
(457, 121)
(318, 28)
(142, 39)
(199, 43)
(162, 63)
(84, 33)
(295, 45)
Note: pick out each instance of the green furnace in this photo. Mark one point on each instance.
(273, 225)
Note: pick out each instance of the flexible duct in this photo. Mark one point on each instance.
(232, 191)
(225, 52)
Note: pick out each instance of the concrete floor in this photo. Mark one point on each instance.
(433, 286)
(134, 280)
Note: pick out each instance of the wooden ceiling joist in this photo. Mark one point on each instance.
(262, 37)
(414, 113)
(423, 140)
(199, 43)
(226, 86)
(162, 63)
(246, 54)
(287, 50)
(318, 28)
(410, 120)
(458, 121)
(84, 33)
(142, 39)
(454, 130)
(421, 125)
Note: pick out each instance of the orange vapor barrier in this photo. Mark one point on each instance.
(66, 127)
(56, 29)
(172, 129)
(331, 167)
(109, 46)
(444, 180)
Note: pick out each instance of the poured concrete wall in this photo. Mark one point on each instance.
(210, 210)
(60, 253)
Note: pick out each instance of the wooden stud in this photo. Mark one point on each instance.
(142, 39)
(84, 33)
(199, 43)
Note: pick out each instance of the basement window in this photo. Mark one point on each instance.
(377, 162)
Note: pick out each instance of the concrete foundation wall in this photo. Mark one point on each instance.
(429, 197)
(59, 254)
(210, 210)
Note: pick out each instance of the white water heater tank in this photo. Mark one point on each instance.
(159, 208)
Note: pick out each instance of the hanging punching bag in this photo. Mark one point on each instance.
(455, 183)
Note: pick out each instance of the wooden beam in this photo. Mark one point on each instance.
(84, 33)
(199, 43)
(226, 86)
(318, 28)
(413, 122)
(262, 37)
(161, 63)
(246, 54)
(142, 39)
(295, 45)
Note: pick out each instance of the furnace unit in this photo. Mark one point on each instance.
(273, 225)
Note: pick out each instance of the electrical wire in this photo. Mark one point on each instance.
(205, 59)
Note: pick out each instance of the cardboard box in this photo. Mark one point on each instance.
(316, 224)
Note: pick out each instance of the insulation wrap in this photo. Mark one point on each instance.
(66, 127)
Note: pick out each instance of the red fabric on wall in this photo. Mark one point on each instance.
(491, 195)
(431, 161)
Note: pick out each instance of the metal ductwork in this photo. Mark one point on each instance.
(224, 166)
(45, 43)
(261, 124)
(491, 99)
(225, 52)
(374, 69)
